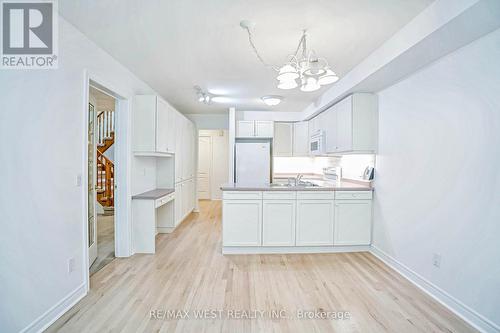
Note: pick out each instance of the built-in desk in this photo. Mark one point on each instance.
(152, 213)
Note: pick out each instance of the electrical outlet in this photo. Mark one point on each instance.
(436, 260)
(79, 180)
(144, 171)
(71, 265)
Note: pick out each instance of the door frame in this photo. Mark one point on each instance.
(122, 195)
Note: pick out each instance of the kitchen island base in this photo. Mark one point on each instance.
(293, 249)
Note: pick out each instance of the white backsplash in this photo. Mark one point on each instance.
(353, 166)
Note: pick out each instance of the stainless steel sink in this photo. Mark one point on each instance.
(281, 185)
(300, 184)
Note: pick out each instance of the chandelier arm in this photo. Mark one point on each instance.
(301, 41)
(250, 39)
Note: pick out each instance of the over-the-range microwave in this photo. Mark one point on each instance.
(317, 143)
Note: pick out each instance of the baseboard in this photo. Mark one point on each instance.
(165, 230)
(292, 249)
(460, 309)
(55, 312)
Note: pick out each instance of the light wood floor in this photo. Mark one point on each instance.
(188, 272)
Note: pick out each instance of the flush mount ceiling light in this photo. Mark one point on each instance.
(272, 100)
(303, 68)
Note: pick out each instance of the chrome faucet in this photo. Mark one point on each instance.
(298, 179)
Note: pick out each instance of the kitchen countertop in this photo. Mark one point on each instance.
(153, 194)
(322, 186)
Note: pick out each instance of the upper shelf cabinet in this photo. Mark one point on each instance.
(153, 125)
(254, 129)
(350, 125)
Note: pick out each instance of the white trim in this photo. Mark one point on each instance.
(454, 305)
(165, 230)
(292, 249)
(123, 233)
(51, 315)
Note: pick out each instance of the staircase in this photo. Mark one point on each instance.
(105, 132)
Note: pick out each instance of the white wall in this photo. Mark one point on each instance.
(437, 180)
(42, 138)
(210, 121)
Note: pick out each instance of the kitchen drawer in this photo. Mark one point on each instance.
(353, 195)
(242, 195)
(315, 195)
(163, 200)
(279, 195)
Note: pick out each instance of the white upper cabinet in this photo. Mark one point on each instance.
(151, 125)
(350, 125)
(254, 129)
(245, 129)
(283, 139)
(301, 139)
(162, 126)
(264, 128)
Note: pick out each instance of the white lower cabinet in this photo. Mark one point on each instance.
(353, 222)
(278, 222)
(178, 204)
(243, 222)
(314, 222)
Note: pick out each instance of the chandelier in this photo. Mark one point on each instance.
(303, 69)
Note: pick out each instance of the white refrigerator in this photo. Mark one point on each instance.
(253, 162)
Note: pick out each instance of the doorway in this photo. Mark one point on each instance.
(213, 155)
(101, 178)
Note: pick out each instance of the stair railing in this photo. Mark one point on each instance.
(105, 179)
(105, 125)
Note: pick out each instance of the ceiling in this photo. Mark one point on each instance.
(177, 44)
(103, 101)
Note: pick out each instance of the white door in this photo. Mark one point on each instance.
(179, 143)
(301, 139)
(264, 129)
(178, 204)
(253, 162)
(278, 222)
(353, 222)
(161, 126)
(171, 129)
(315, 222)
(246, 222)
(331, 130)
(245, 128)
(283, 139)
(344, 125)
(91, 184)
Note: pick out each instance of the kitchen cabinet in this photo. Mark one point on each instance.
(178, 204)
(353, 222)
(283, 139)
(330, 128)
(245, 128)
(264, 129)
(284, 221)
(300, 139)
(278, 222)
(350, 125)
(344, 125)
(152, 125)
(245, 228)
(254, 129)
(315, 222)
